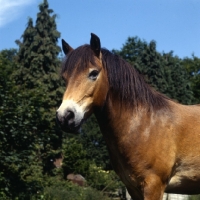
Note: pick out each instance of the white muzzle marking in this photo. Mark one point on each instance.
(71, 105)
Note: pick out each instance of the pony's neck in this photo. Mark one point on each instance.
(112, 115)
(116, 117)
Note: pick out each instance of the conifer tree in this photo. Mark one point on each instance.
(38, 53)
(32, 94)
(152, 66)
(45, 42)
(192, 65)
(131, 50)
(179, 84)
(163, 71)
(38, 74)
(24, 56)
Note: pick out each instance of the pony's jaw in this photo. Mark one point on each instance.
(70, 116)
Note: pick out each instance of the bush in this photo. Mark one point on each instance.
(194, 197)
(103, 180)
(70, 192)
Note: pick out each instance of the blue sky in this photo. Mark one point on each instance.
(173, 24)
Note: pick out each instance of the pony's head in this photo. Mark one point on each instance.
(93, 76)
(86, 84)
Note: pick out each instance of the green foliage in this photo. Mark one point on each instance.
(38, 63)
(94, 144)
(28, 135)
(37, 72)
(30, 93)
(131, 50)
(192, 65)
(152, 66)
(163, 71)
(70, 192)
(194, 197)
(21, 143)
(104, 180)
(178, 79)
(75, 157)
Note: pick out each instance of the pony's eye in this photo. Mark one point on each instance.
(93, 75)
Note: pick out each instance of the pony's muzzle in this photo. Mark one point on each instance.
(69, 116)
(67, 120)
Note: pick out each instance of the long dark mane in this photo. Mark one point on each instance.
(125, 82)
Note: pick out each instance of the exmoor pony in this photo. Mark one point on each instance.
(153, 142)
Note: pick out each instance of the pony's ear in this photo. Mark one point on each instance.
(65, 47)
(95, 44)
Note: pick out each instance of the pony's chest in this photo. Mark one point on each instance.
(125, 174)
(122, 166)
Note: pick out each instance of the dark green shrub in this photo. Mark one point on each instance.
(194, 197)
(70, 192)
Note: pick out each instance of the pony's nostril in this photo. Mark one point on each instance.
(69, 116)
(66, 119)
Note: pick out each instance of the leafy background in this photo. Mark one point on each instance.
(30, 92)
